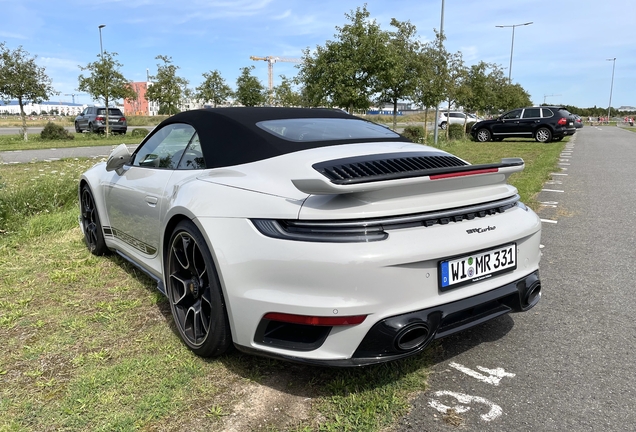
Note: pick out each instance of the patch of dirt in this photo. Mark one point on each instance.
(265, 406)
(453, 418)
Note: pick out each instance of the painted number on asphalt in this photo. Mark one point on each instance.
(495, 410)
(494, 375)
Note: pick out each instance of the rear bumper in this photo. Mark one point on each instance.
(408, 334)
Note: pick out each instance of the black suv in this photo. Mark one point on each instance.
(93, 119)
(545, 124)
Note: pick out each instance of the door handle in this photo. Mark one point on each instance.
(151, 200)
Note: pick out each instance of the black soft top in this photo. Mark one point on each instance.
(231, 136)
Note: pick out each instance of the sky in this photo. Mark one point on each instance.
(559, 59)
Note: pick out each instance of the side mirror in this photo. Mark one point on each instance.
(119, 157)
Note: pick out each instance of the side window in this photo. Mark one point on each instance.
(547, 112)
(512, 115)
(165, 147)
(532, 113)
(193, 156)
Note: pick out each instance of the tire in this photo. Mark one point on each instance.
(90, 128)
(93, 234)
(194, 292)
(77, 128)
(543, 135)
(443, 125)
(483, 135)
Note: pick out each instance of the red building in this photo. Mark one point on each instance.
(140, 105)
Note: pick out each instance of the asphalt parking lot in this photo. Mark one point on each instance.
(568, 363)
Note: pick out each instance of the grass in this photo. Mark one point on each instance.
(41, 121)
(89, 342)
(15, 142)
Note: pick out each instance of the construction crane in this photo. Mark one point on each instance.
(74, 94)
(270, 66)
(547, 96)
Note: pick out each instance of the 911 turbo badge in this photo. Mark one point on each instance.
(480, 230)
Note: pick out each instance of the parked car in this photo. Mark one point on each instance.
(312, 235)
(455, 117)
(93, 119)
(578, 122)
(544, 124)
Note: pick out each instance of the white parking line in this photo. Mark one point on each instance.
(548, 221)
(551, 190)
(558, 174)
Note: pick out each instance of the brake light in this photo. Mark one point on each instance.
(99, 118)
(562, 121)
(315, 320)
(464, 173)
(122, 119)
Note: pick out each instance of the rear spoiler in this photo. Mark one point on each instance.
(318, 186)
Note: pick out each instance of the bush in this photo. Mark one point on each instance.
(469, 126)
(53, 131)
(141, 132)
(456, 131)
(414, 133)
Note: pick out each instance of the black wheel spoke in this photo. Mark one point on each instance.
(179, 286)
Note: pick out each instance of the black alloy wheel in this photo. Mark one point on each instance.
(93, 234)
(194, 293)
(443, 125)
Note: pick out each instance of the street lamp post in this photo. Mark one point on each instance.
(611, 88)
(101, 50)
(441, 35)
(512, 46)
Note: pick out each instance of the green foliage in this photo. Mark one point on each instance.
(414, 133)
(344, 73)
(285, 95)
(469, 126)
(456, 131)
(22, 79)
(214, 89)
(54, 131)
(249, 90)
(141, 132)
(105, 82)
(167, 88)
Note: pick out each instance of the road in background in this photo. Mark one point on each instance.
(567, 364)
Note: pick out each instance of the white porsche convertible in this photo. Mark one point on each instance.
(312, 235)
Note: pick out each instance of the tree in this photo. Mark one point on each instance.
(344, 73)
(249, 90)
(397, 79)
(106, 82)
(454, 88)
(214, 89)
(167, 88)
(432, 70)
(285, 95)
(22, 79)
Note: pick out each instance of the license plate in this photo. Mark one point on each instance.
(477, 267)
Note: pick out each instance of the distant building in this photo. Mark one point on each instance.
(60, 108)
(627, 108)
(140, 105)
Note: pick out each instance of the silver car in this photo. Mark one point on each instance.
(93, 119)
